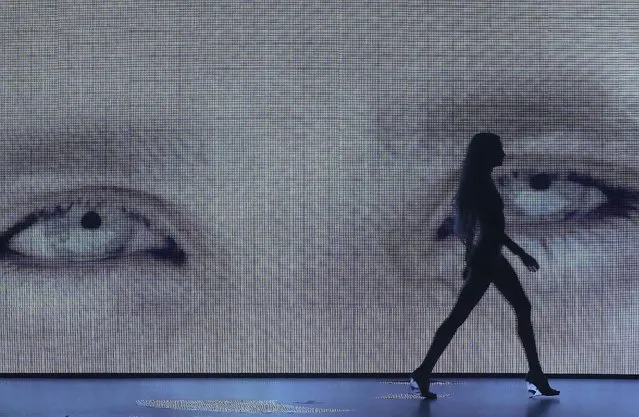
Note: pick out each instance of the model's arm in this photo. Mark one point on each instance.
(512, 246)
(492, 224)
(469, 246)
(528, 260)
(496, 228)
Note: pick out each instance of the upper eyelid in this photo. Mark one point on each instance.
(607, 173)
(86, 194)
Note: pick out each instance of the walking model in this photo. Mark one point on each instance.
(479, 208)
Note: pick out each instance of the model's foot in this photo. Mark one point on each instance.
(420, 382)
(537, 385)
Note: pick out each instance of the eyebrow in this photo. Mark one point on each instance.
(513, 109)
(86, 148)
(550, 111)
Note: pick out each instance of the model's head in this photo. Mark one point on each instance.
(485, 151)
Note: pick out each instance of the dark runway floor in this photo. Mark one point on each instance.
(463, 397)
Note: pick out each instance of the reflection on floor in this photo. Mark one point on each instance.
(350, 397)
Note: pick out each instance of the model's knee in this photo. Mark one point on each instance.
(454, 321)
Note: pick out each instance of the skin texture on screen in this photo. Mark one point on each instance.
(273, 183)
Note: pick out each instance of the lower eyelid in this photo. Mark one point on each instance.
(607, 243)
(583, 230)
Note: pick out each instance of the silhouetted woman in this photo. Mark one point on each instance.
(479, 223)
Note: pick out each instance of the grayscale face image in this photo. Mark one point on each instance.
(256, 187)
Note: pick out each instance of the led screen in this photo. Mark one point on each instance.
(266, 187)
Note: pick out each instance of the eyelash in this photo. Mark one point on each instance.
(621, 202)
(170, 251)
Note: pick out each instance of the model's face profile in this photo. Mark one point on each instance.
(228, 189)
(487, 151)
(499, 154)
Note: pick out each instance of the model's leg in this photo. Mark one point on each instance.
(472, 291)
(474, 288)
(508, 284)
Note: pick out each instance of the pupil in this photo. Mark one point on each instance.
(91, 220)
(540, 181)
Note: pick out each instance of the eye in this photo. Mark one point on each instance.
(534, 197)
(561, 195)
(90, 225)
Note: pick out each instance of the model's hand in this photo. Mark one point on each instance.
(530, 262)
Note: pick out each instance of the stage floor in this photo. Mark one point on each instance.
(349, 397)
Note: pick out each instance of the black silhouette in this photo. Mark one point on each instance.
(479, 223)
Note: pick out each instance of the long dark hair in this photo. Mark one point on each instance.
(481, 151)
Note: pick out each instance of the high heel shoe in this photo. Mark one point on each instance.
(420, 382)
(537, 385)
